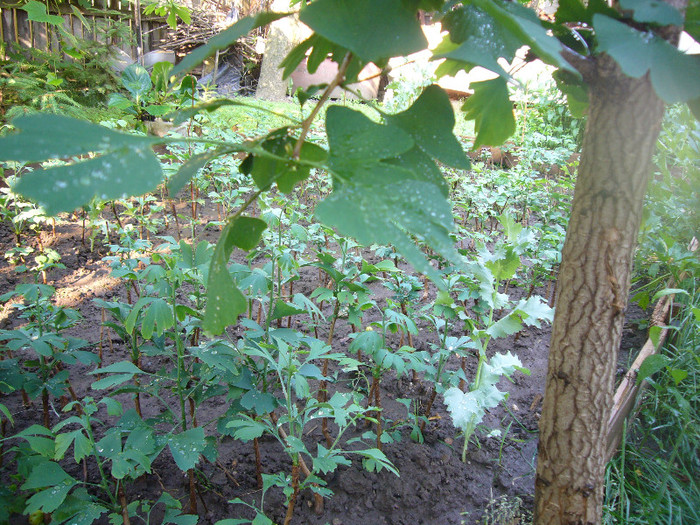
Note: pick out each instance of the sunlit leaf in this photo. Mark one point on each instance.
(430, 122)
(372, 29)
(125, 164)
(492, 111)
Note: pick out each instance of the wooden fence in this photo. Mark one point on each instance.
(98, 22)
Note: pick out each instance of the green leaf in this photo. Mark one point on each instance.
(126, 166)
(353, 138)
(46, 474)
(36, 12)
(503, 264)
(464, 408)
(284, 309)
(266, 169)
(477, 39)
(383, 205)
(533, 310)
(246, 232)
(157, 317)
(261, 519)
(45, 136)
(376, 460)
(225, 302)
(122, 367)
(108, 382)
(674, 74)
(678, 375)
(247, 429)
(160, 76)
(668, 291)
(110, 446)
(575, 11)
(430, 122)
(50, 499)
(223, 40)
(576, 92)
(524, 25)
(655, 335)
(508, 325)
(651, 365)
(327, 461)
(136, 81)
(362, 26)
(295, 445)
(492, 111)
(186, 447)
(261, 402)
(653, 11)
(504, 364)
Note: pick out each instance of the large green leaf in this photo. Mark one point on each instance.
(522, 23)
(137, 81)
(354, 138)
(575, 11)
(372, 29)
(46, 474)
(125, 164)
(225, 302)
(223, 40)
(477, 39)
(674, 75)
(36, 12)
(43, 137)
(247, 429)
(48, 500)
(692, 20)
(422, 167)
(261, 402)
(383, 208)
(430, 121)
(653, 11)
(492, 111)
(186, 447)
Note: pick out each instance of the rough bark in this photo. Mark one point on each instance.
(623, 125)
(284, 35)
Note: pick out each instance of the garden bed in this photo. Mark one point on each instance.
(434, 486)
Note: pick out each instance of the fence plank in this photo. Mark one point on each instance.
(40, 39)
(24, 35)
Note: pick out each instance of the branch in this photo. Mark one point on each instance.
(583, 64)
(306, 125)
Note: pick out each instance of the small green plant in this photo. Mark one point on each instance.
(290, 359)
(44, 373)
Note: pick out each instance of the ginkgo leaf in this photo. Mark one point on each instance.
(122, 165)
(430, 122)
(492, 111)
(362, 26)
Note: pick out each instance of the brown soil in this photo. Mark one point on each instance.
(434, 487)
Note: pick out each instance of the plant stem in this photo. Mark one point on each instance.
(295, 489)
(258, 463)
(306, 125)
(123, 504)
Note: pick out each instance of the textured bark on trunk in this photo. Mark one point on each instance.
(624, 120)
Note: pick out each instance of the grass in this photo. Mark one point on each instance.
(654, 478)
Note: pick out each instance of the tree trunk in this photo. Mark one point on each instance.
(624, 120)
(284, 35)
